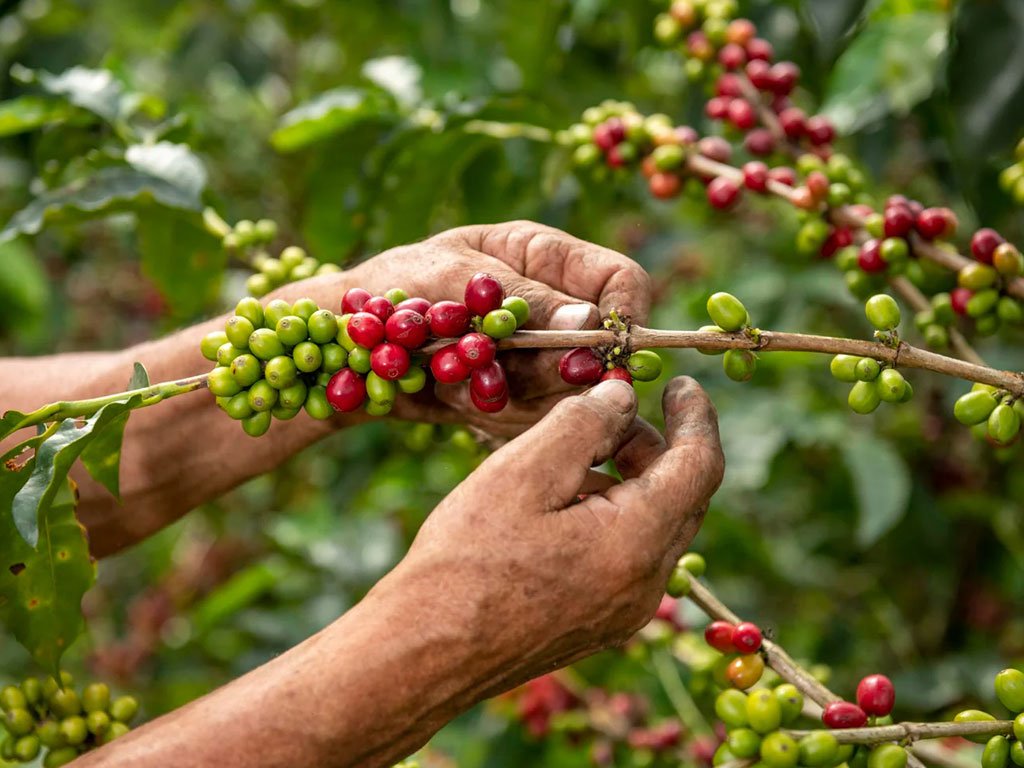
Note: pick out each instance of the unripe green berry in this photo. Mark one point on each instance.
(694, 563)
(727, 312)
(1017, 753)
(323, 326)
(246, 370)
(987, 324)
(519, 308)
(48, 732)
(779, 750)
(894, 250)
(334, 357)
(379, 390)
(844, 368)
(908, 392)
(859, 283)
(274, 271)
(887, 756)
(499, 323)
(982, 303)
(811, 236)
(238, 329)
(115, 731)
(396, 295)
(839, 194)
(413, 381)
(227, 352)
(359, 360)
(997, 753)
(942, 305)
(891, 386)
(265, 344)
(644, 365)
(731, 708)
(791, 701)
(867, 369)
(265, 230)
(875, 225)
(292, 256)
(291, 330)
(936, 337)
(1018, 727)
(284, 414)
(1009, 310)
(808, 163)
(308, 357)
(305, 308)
(373, 408)
(678, 582)
(12, 697)
(281, 372)
(739, 364)
(668, 157)
(18, 721)
(74, 730)
(764, 713)
(708, 350)
(274, 311)
(316, 403)
(743, 742)
(882, 312)
(211, 342)
(847, 258)
(292, 397)
(1009, 688)
(262, 396)
(302, 272)
(26, 748)
(1003, 426)
(977, 276)
(251, 310)
(343, 339)
(32, 690)
(58, 757)
(327, 269)
(864, 397)
(586, 156)
(238, 406)
(222, 383)
(974, 407)
(258, 285)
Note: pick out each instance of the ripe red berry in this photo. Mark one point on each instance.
(728, 85)
(897, 200)
(617, 373)
(415, 304)
(793, 122)
(488, 383)
(448, 319)
(580, 367)
(843, 714)
(615, 158)
(353, 299)
(718, 634)
(817, 182)
(820, 130)
(365, 329)
(740, 31)
(933, 223)
(785, 76)
(984, 243)
(476, 350)
(447, 367)
(898, 221)
(346, 390)
(389, 361)
(784, 175)
(723, 193)
(717, 107)
(379, 306)
(483, 294)
(406, 327)
(732, 56)
(685, 135)
(742, 114)
(802, 197)
(609, 133)
(665, 186)
(488, 406)
(699, 47)
(870, 257)
(715, 148)
(837, 238)
(760, 74)
(876, 695)
(760, 142)
(759, 48)
(958, 298)
(755, 176)
(746, 637)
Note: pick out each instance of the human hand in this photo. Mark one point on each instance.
(569, 283)
(528, 578)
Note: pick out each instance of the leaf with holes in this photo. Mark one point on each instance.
(41, 587)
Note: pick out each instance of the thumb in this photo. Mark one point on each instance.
(546, 466)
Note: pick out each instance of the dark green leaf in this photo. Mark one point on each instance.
(881, 483)
(9, 423)
(102, 456)
(888, 69)
(832, 21)
(175, 163)
(330, 113)
(140, 377)
(41, 587)
(27, 113)
(24, 289)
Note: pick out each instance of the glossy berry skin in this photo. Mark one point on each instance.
(742, 114)
(346, 391)
(447, 367)
(580, 367)
(665, 186)
(617, 373)
(820, 130)
(488, 406)
(726, 311)
(759, 48)
(959, 298)
(416, 304)
(718, 634)
(380, 306)
(448, 319)
(876, 695)
(499, 323)
(406, 327)
(476, 350)
(744, 671)
(746, 637)
(717, 107)
(366, 329)
(488, 383)
(933, 223)
(483, 294)
(755, 176)
(870, 257)
(898, 221)
(760, 142)
(784, 175)
(389, 361)
(984, 243)
(793, 122)
(723, 193)
(843, 714)
(882, 312)
(353, 300)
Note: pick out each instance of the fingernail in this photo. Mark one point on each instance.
(570, 317)
(617, 393)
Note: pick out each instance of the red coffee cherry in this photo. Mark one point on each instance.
(715, 148)
(488, 385)
(483, 294)
(618, 373)
(785, 76)
(820, 130)
(793, 122)
(732, 56)
(415, 304)
(448, 319)
(728, 85)
(406, 327)
(686, 136)
(665, 186)
(488, 406)
(784, 175)
(389, 361)
(876, 695)
(723, 193)
(843, 714)
(933, 223)
(837, 238)
(476, 350)
(760, 74)
(615, 157)
(608, 134)
(447, 367)
(346, 390)
(740, 31)
(802, 197)
(580, 367)
(760, 142)
(380, 306)
(755, 176)
(742, 114)
(817, 182)
(718, 634)
(870, 257)
(717, 107)
(959, 297)
(984, 243)
(759, 48)
(746, 637)
(366, 329)
(898, 220)
(353, 299)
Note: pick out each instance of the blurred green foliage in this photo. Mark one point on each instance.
(890, 543)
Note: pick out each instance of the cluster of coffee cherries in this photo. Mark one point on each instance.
(1011, 180)
(993, 414)
(730, 316)
(584, 366)
(293, 264)
(1002, 751)
(44, 715)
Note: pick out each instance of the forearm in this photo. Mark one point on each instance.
(176, 454)
(366, 691)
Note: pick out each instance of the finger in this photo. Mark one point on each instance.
(640, 447)
(546, 466)
(581, 269)
(597, 482)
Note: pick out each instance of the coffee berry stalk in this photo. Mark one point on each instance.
(54, 719)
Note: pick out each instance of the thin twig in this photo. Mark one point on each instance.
(914, 731)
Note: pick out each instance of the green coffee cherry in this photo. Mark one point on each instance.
(246, 370)
(739, 364)
(262, 396)
(694, 563)
(839, 194)
(708, 350)
(936, 337)
(668, 157)
(281, 372)
(791, 701)
(859, 283)
(1003, 426)
(211, 342)
(18, 722)
(265, 344)
(1018, 727)
(678, 582)
(58, 757)
(499, 324)
(97, 722)
(258, 285)
(74, 730)
(987, 325)
(238, 329)
(1009, 310)
(292, 256)
(308, 357)
(731, 708)
(251, 310)
(977, 276)
(284, 414)
(722, 755)
(359, 359)
(274, 311)
(586, 156)
(380, 391)
(982, 303)
(323, 326)
(12, 697)
(343, 339)
(292, 398)
(292, 330)
(942, 306)
(396, 295)
(818, 749)
(867, 369)
(644, 365)
(891, 386)
(374, 408)
(974, 407)
(779, 750)
(519, 307)
(238, 406)
(1017, 753)
(727, 312)
(893, 250)
(26, 748)
(844, 368)
(413, 381)
(305, 308)
(887, 756)
(48, 732)
(847, 258)
(743, 742)
(882, 311)
(316, 403)
(974, 716)
(257, 424)
(274, 271)
(222, 383)
(997, 753)
(227, 352)
(764, 713)
(864, 397)
(115, 731)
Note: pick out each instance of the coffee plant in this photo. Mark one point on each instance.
(756, 148)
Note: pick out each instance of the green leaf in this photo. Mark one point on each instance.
(881, 483)
(53, 460)
(109, 190)
(140, 377)
(95, 90)
(888, 69)
(175, 163)
(28, 113)
(398, 75)
(41, 587)
(10, 421)
(102, 455)
(330, 113)
(832, 21)
(24, 290)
